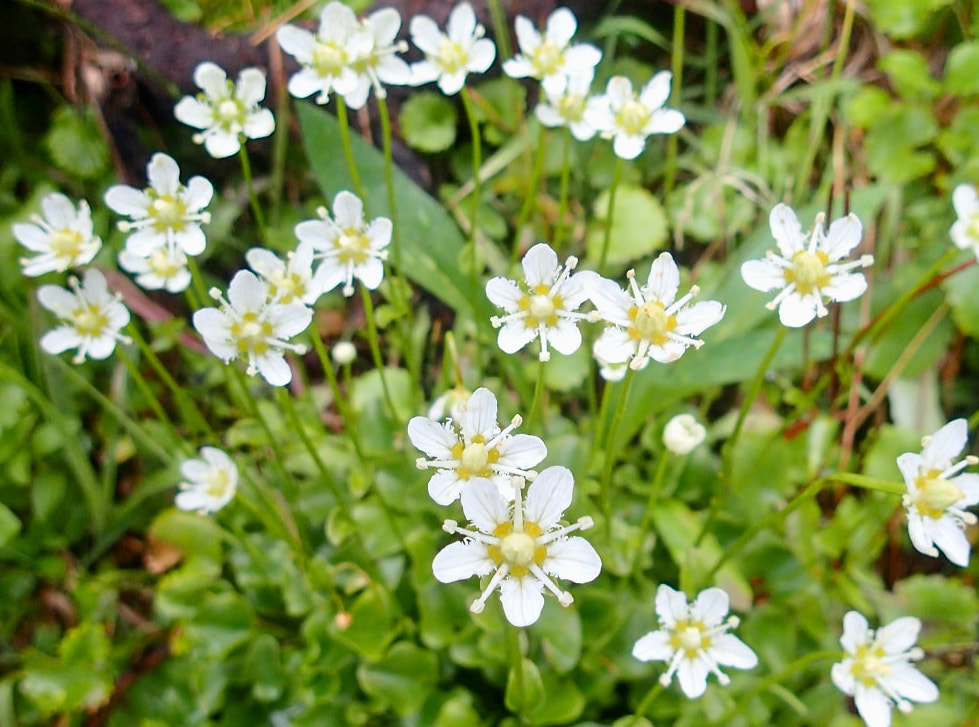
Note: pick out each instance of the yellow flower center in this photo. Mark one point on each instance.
(935, 495)
(973, 229)
(89, 321)
(217, 483)
(547, 59)
(572, 106)
(690, 636)
(287, 287)
(475, 458)
(808, 271)
(452, 56)
(162, 264)
(167, 211)
(632, 117)
(868, 664)
(651, 321)
(352, 245)
(540, 307)
(229, 112)
(251, 334)
(518, 549)
(328, 59)
(65, 243)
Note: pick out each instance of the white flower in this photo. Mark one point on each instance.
(629, 118)
(965, 230)
(210, 483)
(808, 270)
(91, 314)
(327, 57)
(938, 496)
(227, 112)
(543, 305)
(164, 268)
(290, 281)
(452, 403)
(348, 246)
(683, 433)
(166, 213)
(649, 322)
(522, 547)
(694, 639)
(475, 451)
(567, 108)
(877, 670)
(62, 238)
(451, 56)
(551, 59)
(379, 63)
(251, 326)
(344, 353)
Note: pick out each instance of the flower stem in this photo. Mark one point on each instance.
(646, 703)
(562, 207)
(348, 149)
(349, 418)
(476, 191)
(375, 345)
(151, 398)
(610, 213)
(516, 664)
(538, 394)
(382, 107)
(679, 21)
(654, 491)
(611, 448)
(199, 288)
(246, 170)
(528, 204)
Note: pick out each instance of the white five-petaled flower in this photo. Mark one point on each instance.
(567, 108)
(543, 305)
(92, 317)
(522, 547)
(164, 269)
(210, 482)
(477, 450)
(551, 59)
(249, 325)
(694, 640)
(649, 322)
(62, 238)
(877, 670)
(938, 496)
(327, 57)
(628, 118)
(379, 64)
(451, 56)
(227, 112)
(348, 246)
(290, 281)
(165, 213)
(965, 230)
(807, 269)
(683, 433)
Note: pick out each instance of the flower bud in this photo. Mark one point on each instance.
(682, 433)
(344, 353)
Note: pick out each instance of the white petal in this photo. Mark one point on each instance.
(945, 444)
(289, 320)
(370, 272)
(843, 235)
(628, 146)
(671, 605)
(910, 465)
(222, 144)
(920, 533)
(515, 335)
(618, 90)
(692, 675)
(32, 237)
(572, 559)
(951, 540)
(348, 210)
(483, 506)
(522, 451)
(264, 261)
(425, 34)
(763, 275)
(60, 339)
(540, 265)
(432, 438)
(56, 299)
(528, 39)
(966, 201)
(700, 316)
(612, 302)
(969, 484)
(274, 368)
(872, 706)
(549, 496)
(710, 606)
(654, 94)
(665, 121)
(459, 561)
(614, 346)
(199, 193)
(654, 646)
(664, 280)
(796, 311)
(856, 631)
(899, 635)
(246, 293)
(911, 684)
(844, 287)
(787, 230)
(127, 201)
(729, 650)
(212, 79)
(193, 112)
(462, 23)
(444, 487)
(564, 337)
(250, 88)
(481, 56)
(842, 676)
(297, 42)
(385, 24)
(163, 174)
(522, 600)
(58, 210)
(518, 67)
(190, 240)
(504, 293)
(547, 115)
(306, 82)
(101, 347)
(451, 83)
(480, 415)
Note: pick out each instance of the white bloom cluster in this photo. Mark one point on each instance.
(210, 482)
(450, 56)
(628, 118)
(345, 55)
(63, 238)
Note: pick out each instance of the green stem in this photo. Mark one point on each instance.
(246, 170)
(679, 21)
(199, 300)
(538, 394)
(348, 150)
(646, 703)
(382, 107)
(531, 196)
(611, 448)
(562, 206)
(349, 419)
(654, 491)
(609, 215)
(476, 191)
(151, 398)
(516, 665)
(375, 346)
(280, 147)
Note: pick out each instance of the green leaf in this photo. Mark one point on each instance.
(403, 679)
(562, 702)
(962, 69)
(371, 625)
(192, 534)
(960, 292)
(909, 74)
(639, 226)
(560, 634)
(899, 332)
(523, 694)
(948, 602)
(428, 121)
(9, 525)
(428, 236)
(75, 144)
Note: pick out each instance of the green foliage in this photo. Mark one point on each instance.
(428, 122)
